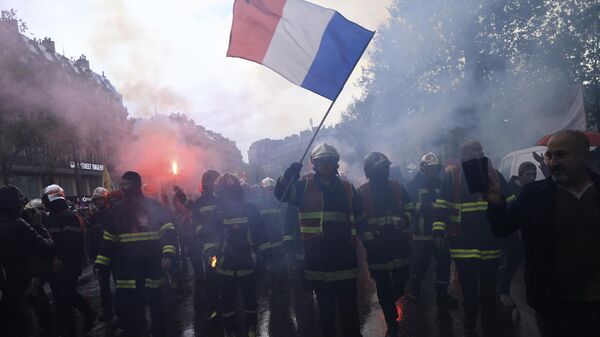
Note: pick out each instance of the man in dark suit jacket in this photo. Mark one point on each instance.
(559, 219)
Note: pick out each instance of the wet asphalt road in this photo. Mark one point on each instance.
(288, 314)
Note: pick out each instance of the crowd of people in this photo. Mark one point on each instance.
(310, 225)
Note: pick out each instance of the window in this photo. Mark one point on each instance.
(29, 185)
(68, 184)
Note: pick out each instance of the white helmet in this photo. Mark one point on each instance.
(53, 192)
(429, 159)
(267, 182)
(324, 150)
(100, 192)
(35, 204)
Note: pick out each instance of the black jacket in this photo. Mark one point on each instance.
(423, 191)
(18, 241)
(68, 232)
(534, 214)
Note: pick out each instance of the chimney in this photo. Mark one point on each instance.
(48, 44)
(10, 26)
(83, 64)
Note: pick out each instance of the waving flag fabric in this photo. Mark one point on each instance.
(313, 47)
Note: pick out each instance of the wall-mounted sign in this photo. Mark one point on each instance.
(88, 166)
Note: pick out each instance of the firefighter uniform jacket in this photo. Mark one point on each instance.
(235, 234)
(462, 216)
(327, 214)
(273, 220)
(202, 210)
(388, 212)
(424, 191)
(95, 230)
(139, 234)
(291, 233)
(68, 232)
(19, 240)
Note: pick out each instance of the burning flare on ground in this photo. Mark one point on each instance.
(213, 261)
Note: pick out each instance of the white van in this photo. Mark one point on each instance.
(509, 166)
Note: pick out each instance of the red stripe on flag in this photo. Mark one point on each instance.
(254, 23)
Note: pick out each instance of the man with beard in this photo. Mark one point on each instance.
(559, 220)
(139, 244)
(18, 240)
(68, 231)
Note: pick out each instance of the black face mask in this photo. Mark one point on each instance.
(132, 193)
(379, 174)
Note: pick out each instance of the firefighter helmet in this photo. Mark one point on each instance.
(209, 177)
(374, 160)
(267, 182)
(429, 159)
(35, 204)
(100, 192)
(324, 150)
(228, 185)
(53, 192)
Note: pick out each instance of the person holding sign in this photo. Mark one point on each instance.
(460, 222)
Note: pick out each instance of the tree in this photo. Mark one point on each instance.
(490, 67)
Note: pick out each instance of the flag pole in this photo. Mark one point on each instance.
(316, 132)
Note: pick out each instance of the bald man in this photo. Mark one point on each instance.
(559, 219)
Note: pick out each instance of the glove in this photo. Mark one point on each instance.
(292, 173)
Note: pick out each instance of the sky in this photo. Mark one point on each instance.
(173, 53)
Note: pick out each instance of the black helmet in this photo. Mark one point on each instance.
(375, 160)
(228, 185)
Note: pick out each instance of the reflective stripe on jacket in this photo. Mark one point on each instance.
(462, 215)
(388, 213)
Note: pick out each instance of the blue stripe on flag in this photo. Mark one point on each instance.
(341, 47)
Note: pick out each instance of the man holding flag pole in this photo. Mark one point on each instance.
(317, 49)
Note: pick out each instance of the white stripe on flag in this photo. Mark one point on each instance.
(297, 39)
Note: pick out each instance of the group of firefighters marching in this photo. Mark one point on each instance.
(133, 239)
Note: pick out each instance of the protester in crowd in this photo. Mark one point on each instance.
(558, 218)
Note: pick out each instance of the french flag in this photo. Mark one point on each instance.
(313, 47)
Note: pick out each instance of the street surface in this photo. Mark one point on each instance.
(288, 315)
